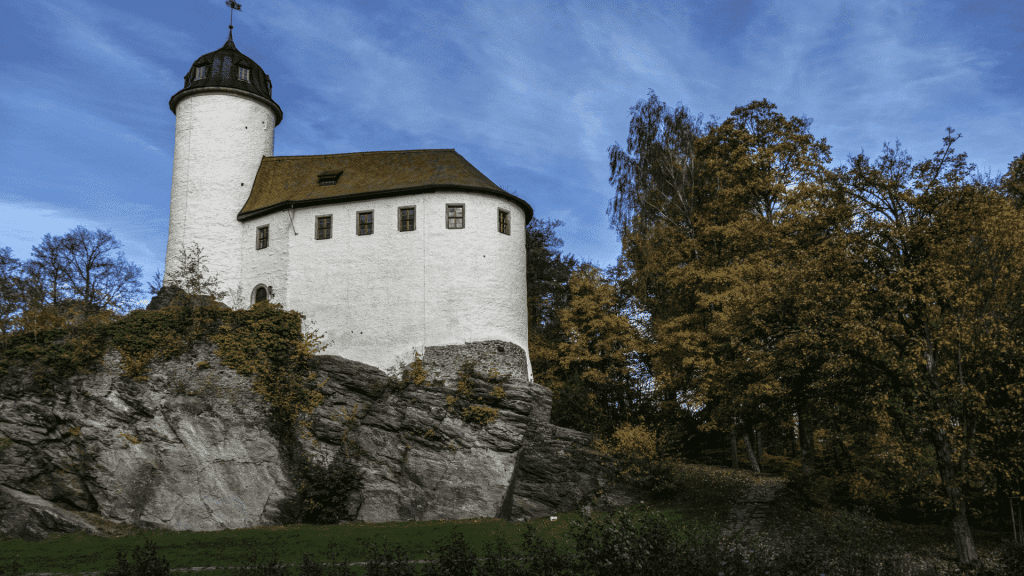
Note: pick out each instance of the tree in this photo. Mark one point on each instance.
(85, 268)
(944, 264)
(44, 275)
(547, 280)
(191, 277)
(11, 300)
(879, 302)
(704, 212)
(1012, 183)
(591, 375)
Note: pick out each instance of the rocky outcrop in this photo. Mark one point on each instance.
(191, 448)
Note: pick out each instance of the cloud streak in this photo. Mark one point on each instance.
(532, 93)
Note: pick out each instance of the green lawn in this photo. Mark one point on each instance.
(706, 497)
(703, 501)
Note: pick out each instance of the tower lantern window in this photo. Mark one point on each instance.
(200, 73)
(243, 74)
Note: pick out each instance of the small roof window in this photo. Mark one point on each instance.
(328, 178)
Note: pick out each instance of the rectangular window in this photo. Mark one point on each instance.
(262, 237)
(323, 227)
(456, 216)
(243, 74)
(406, 219)
(270, 88)
(504, 225)
(200, 73)
(365, 223)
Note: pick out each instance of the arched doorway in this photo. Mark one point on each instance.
(259, 294)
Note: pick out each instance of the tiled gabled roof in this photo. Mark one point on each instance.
(286, 181)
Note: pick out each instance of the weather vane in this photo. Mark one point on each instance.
(233, 6)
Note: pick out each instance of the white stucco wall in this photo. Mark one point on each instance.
(379, 297)
(219, 141)
(269, 266)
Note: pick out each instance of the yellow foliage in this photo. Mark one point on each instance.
(476, 414)
(415, 373)
(635, 441)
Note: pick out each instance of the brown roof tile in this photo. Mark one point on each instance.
(284, 181)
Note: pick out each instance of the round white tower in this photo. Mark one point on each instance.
(224, 127)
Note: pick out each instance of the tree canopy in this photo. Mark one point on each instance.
(876, 306)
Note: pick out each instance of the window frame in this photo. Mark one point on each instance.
(505, 225)
(199, 73)
(317, 228)
(413, 220)
(447, 225)
(263, 236)
(359, 224)
(267, 290)
(246, 72)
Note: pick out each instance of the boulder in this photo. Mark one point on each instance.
(191, 448)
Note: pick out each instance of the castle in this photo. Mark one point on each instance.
(385, 253)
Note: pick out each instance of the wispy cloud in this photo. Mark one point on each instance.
(532, 93)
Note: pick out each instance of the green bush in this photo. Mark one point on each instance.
(625, 544)
(322, 492)
(387, 560)
(640, 456)
(146, 563)
(452, 558)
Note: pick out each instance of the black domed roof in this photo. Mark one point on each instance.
(227, 70)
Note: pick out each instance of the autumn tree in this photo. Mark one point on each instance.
(703, 210)
(547, 290)
(591, 376)
(1011, 184)
(943, 336)
(878, 302)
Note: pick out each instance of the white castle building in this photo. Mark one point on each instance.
(383, 252)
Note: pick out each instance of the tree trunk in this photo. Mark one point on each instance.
(963, 541)
(735, 456)
(806, 430)
(794, 437)
(751, 455)
(760, 447)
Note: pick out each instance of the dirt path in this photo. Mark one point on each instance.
(748, 512)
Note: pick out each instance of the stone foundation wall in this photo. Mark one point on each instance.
(504, 358)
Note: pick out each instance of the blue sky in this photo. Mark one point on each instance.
(532, 94)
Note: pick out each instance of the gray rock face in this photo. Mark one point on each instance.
(191, 449)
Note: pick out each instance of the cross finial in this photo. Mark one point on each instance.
(233, 6)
